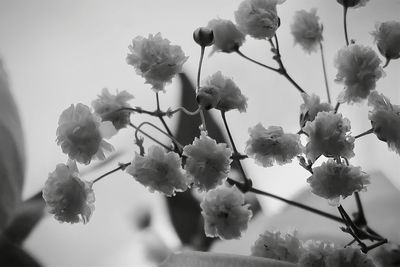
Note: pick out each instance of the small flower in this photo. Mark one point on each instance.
(274, 245)
(328, 136)
(207, 161)
(306, 30)
(353, 3)
(79, 136)
(227, 38)
(387, 38)
(224, 212)
(106, 106)
(349, 257)
(203, 36)
(311, 107)
(333, 181)
(160, 171)
(385, 120)
(68, 197)
(208, 97)
(258, 18)
(156, 60)
(315, 254)
(358, 69)
(271, 145)
(229, 95)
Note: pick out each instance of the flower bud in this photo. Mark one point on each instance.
(208, 97)
(352, 3)
(203, 36)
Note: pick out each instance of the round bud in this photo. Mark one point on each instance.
(208, 97)
(348, 3)
(203, 36)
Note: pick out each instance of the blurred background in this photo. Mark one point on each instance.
(61, 52)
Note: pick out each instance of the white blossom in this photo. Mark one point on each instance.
(307, 30)
(387, 38)
(310, 108)
(227, 37)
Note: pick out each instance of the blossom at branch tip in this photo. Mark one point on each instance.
(79, 135)
(385, 120)
(307, 30)
(106, 106)
(258, 18)
(160, 171)
(227, 37)
(271, 145)
(328, 136)
(334, 181)
(353, 3)
(68, 197)
(358, 70)
(387, 38)
(207, 161)
(156, 60)
(224, 212)
(274, 245)
(311, 107)
(224, 94)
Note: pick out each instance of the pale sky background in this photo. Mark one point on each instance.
(63, 52)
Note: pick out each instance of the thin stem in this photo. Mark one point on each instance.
(229, 132)
(360, 221)
(337, 107)
(325, 75)
(161, 131)
(140, 110)
(345, 24)
(184, 110)
(256, 62)
(148, 136)
(122, 166)
(364, 133)
(199, 69)
(386, 63)
(158, 102)
(203, 126)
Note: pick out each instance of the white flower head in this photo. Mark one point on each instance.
(310, 108)
(207, 161)
(156, 60)
(387, 38)
(328, 136)
(68, 197)
(358, 69)
(271, 145)
(353, 3)
(274, 245)
(79, 136)
(333, 181)
(385, 120)
(258, 18)
(227, 37)
(349, 257)
(315, 254)
(224, 212)
(229, 95)
(106, 106)
(160, 171)
(307, 30)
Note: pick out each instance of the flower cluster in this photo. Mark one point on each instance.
(68, 197)
(387, 38)
(306, 30)
(358, 69)
(156, 60)
(224, 212)
(271, 145)
(207, 161)
(311, 107)
(385, 120)
(328, 136)
(160, 171)
(227, 37)
(333, 181)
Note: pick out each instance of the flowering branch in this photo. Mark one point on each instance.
(256, 62)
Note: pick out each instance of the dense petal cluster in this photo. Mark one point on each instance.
(353, 3)
(307, 30)
(310, 108)
(227, 37)
(328, 136)
(156, 60)
(79, 136)
(228, 94)
(349, 257)
(358, 69)
(207, 161)
(224, 212)
(274, 245)
(315, 254)
(387, 38)
(271, 145)
(334, 181)
(68, 197)
(107, 107)
(160, 171)
(258, 18)
(385, 120)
